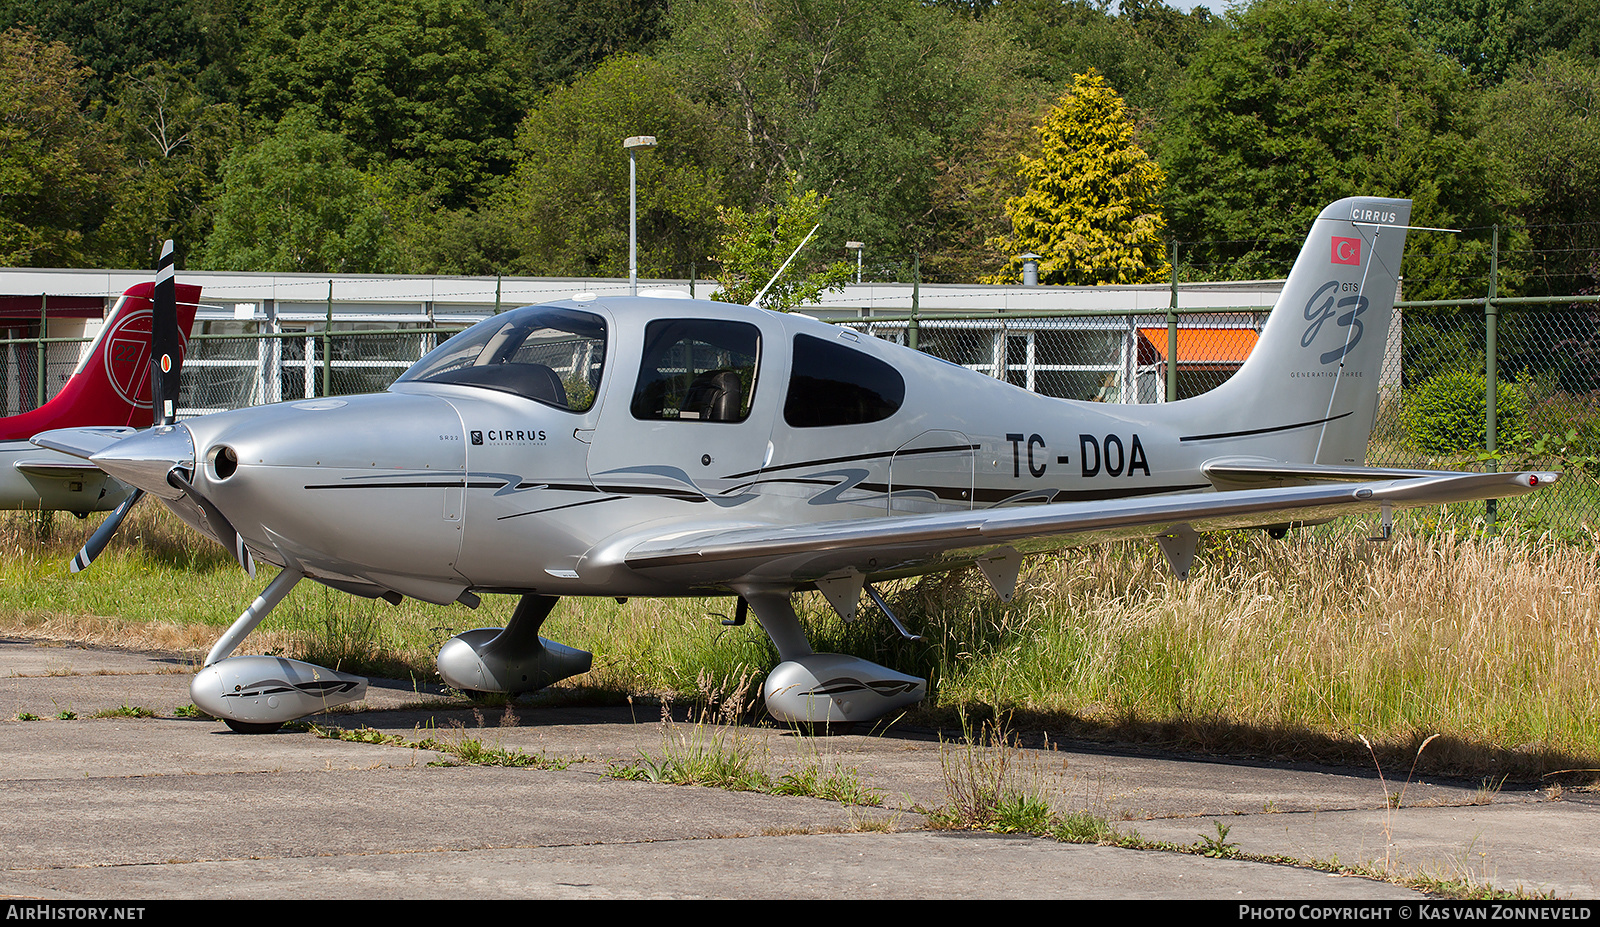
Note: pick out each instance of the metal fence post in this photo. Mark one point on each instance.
(1172, 332)
(916, 299)
(327, 347)
(1491, 318)
(44, 332)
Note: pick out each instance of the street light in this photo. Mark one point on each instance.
(857, 247)
(633, 143)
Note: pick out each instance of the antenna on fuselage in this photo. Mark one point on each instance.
(757, 300)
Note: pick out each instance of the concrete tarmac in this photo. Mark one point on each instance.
(99, 804)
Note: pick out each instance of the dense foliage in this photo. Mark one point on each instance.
(483, 136)
(1446, 414)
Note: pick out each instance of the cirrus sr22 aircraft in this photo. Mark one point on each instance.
(667, 447)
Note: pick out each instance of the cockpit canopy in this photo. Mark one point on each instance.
(549, 354)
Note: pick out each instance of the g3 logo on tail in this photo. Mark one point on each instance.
(127, 358)
(1320, 308)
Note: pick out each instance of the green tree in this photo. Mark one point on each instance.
(757, 242)
(1142, 52)
(175, 139)
(1297, 103)
(58, 169)
(295, 203)
(1541, 125)
(1480, 34)
(427, 82)
(1571, 26)
(564, 209)
(968, 219)
(861, 99)
(565, 39)
(1092, 209)
(113, 38)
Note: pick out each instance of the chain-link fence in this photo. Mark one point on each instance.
(1544, 356)
(231, 365)
(231, 369)
(21, 360)
(1433, 412)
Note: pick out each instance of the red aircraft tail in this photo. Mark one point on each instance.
(112, 385)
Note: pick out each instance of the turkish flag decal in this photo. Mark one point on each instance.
(1347, 251)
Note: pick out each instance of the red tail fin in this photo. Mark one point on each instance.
(112, 385)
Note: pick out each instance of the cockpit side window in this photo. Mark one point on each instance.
(545, 353)
(697, 370)
(831, 384)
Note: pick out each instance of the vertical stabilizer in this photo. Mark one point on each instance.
(1308, 392)
(112, 386)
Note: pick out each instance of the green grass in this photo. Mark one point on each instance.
(125, 711)
(1298, 648)
(719, 751)
(463, 751)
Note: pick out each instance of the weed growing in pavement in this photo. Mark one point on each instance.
(1218, 847)
(992, 783)
(468, 751)
(983, 773)
(716, 750)
(125, 711)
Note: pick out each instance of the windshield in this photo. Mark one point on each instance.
(545, 353)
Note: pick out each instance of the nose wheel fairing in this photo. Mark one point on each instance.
(268, 691)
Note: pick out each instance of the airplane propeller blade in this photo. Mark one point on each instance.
(226, 533)
(166, 344)
(102, 535)
(166, 357)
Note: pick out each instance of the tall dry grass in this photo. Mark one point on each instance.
(1299, 646)
(1294, 648)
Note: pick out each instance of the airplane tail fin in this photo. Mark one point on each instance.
(112, 385)
(1309, 391)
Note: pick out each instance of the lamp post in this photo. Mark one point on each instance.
(857, 247)
(633, 143)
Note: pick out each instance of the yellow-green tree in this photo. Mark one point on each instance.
(1092, 208)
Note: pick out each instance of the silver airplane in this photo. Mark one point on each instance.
(668, 447)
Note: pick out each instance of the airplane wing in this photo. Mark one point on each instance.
(903, 545)
(55, 468)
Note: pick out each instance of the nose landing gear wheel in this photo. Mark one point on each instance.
(252, 727)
